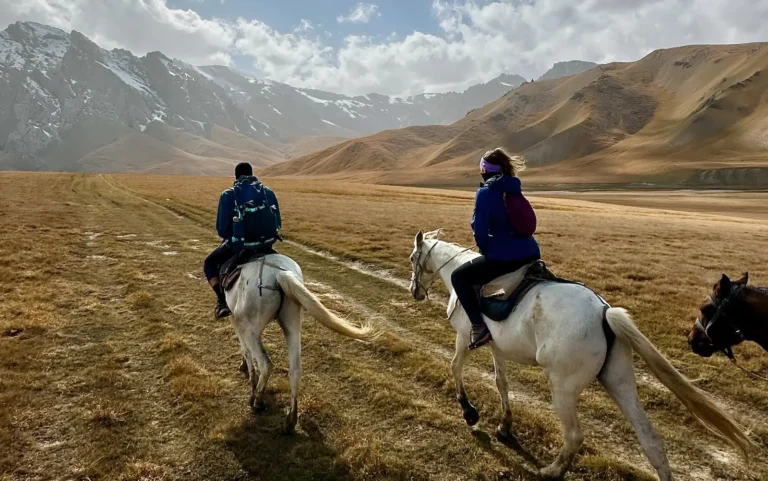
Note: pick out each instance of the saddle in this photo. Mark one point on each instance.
(499, 297)
(230, 270)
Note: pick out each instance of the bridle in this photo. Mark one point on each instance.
(421, 267)
(738, 335)
(720, 314)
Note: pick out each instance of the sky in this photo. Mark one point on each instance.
(397, 47)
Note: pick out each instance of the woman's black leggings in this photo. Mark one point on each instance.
(478, 272)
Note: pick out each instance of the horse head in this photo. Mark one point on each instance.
(718, 327)
(421, 277)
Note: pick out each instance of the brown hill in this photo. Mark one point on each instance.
(255, 153)
(167, 150)
(692, 114)
(235, 140)
(310, 144)
(137, 152)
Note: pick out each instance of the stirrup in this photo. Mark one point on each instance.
(221, 311)
(484, 337)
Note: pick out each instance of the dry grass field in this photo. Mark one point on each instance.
(111, 366)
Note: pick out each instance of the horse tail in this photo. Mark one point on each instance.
(694, 399)
(294, 288)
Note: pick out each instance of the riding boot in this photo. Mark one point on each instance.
(221, 310)
(480, 335)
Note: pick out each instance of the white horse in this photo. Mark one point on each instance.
(273, 288)
(560, 327)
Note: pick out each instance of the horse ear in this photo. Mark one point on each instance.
(744, 279)
(419, 239)
(723, 286)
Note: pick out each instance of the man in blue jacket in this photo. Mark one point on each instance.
(224, 227)
(503, 249)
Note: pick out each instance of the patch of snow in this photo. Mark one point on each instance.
(314, 99)
(329, 122)
(158, 115)
(350, 103)
(124, 74)
(398, 100)
(202, 125)
(34, 86)
(278, 112)
(46, 53)
(259, 121)
(429, 96)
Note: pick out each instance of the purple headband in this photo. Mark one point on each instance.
(488, 167)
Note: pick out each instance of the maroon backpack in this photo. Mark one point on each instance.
(520, 214)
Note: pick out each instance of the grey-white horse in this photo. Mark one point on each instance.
(560, 327)
(272, 288)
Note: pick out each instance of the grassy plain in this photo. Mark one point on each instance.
(112, 368)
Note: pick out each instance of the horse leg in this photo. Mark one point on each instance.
(618, 379)
(471, 416)
(259, 385)
(505, 428)
(564, 400)
(247, 362)
(290, 322)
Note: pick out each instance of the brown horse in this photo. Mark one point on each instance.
(732, 314)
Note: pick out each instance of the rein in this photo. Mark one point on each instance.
(421, 267)
(753, 374)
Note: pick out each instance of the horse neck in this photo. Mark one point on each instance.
(450, 257)
(756, 316)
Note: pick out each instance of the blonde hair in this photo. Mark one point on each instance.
(510, 164)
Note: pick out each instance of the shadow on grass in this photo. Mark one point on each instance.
(485, 441)
(265, 453)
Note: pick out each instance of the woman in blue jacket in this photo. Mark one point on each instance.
(502, 249)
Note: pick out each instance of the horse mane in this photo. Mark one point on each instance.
(435, 235)
(758, 289)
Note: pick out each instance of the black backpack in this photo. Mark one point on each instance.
(255, 223)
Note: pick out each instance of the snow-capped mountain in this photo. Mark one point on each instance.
(62, 96)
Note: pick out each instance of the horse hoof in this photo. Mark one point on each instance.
(503, 432)
(258, 406)
(551, 472)
(471, 416)
(288, 429)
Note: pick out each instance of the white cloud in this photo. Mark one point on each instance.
(304, 26)
(360, 13)
(477, 40)
(139, 25)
